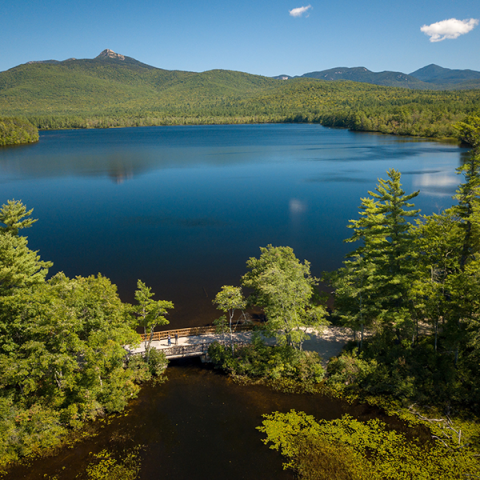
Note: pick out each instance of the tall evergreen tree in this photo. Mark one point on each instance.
(380, 271)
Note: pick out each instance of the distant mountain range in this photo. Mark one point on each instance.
(431, 77)
(118, 84)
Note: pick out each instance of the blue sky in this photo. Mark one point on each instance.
(251, 36)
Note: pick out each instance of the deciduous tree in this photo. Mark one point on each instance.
(284, 287)
(228, 300)
(151, 313)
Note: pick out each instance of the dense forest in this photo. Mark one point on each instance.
(350, 105)
(103, 93)
(17, 131)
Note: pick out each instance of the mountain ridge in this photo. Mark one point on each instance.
(429, 77)
(114, 90)
(362, 74)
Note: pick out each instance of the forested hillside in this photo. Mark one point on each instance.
(108, 92)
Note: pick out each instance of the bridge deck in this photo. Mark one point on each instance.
(190, 346)
(194, 331)
(328, 343)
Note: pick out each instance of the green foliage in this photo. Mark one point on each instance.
(102, 94)
(15, 131)
(106, 467)
(62, 355)
(20, 267)
(468, 131)
(374, 285)
(12, 215)
(150, 313)
(284, 288)
(148, 368)
(228, 300)
(347, 448)
(283, 367)
(417, 289)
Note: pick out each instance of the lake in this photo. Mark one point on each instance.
(183, 208)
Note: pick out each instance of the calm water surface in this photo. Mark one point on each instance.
(183, 208)
(197, 426)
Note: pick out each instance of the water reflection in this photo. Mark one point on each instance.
(438, 183)
(183, 208)
(297, 206)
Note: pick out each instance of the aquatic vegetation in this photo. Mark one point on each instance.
(348, 449)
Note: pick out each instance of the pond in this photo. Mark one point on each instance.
(198, 425)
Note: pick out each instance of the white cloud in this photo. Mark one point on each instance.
(298, 12)
(449, 29)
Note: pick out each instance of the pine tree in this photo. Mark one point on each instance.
(380, 271)
(13, 216)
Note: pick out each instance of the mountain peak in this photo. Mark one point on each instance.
(107, 53)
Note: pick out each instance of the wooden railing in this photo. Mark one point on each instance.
(193, 331)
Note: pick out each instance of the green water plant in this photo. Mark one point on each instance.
(346, 448)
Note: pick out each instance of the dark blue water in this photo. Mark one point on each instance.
(182, 208)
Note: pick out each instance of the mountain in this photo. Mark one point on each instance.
(444, 76)
(362, 74)
(115, 82)
(116, 90)
(431, 77)
(116, 58)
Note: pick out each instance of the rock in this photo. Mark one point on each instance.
(107, 53)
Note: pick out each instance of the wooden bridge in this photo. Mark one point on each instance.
(192, 342)
(193, 332)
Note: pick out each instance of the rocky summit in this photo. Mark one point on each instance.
(107, 53)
